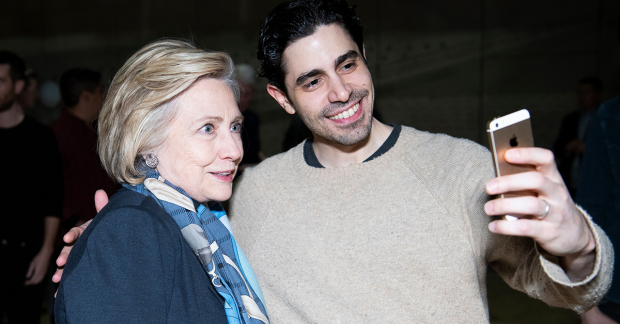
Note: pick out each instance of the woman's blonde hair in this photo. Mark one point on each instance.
(140, 103)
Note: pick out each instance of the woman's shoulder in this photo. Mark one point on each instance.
(130, 226)
(124, 265)
(131, 216)
(130, 208)
(128, 199)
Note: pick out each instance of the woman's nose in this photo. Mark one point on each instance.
(231, 147)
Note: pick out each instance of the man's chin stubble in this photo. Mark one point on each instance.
(6, 105)
(350, 139)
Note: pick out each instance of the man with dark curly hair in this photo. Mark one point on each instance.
(373, 223)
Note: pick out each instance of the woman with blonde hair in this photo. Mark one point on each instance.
(162, 251)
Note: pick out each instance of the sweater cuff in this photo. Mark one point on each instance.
(551, 263)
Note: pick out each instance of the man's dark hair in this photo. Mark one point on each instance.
(293, 20)
(595, 82)
(17, 67)
(76, 80)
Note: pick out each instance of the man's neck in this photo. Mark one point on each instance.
(332, 155)
(11, 117)
(589, 110)
(81, 113)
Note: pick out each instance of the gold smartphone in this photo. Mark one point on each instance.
(510, 131)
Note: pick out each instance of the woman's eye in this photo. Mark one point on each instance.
(208, 128)
(235, 127)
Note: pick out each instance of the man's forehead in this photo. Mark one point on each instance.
(317, 51)
(4, 69)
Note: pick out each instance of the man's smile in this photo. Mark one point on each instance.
(347, 113)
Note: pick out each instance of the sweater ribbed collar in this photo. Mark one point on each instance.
(311, 159)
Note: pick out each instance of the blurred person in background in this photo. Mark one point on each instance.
(28, 98)
(599, 194)
(250, 134)
(76, 133)
(31, 202)
(571, 142)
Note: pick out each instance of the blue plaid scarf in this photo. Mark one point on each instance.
(208, 233)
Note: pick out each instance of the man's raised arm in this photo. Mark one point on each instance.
(557, 225)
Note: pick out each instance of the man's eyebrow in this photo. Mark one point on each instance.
(307, 75)
(348, 55)
(310, 74)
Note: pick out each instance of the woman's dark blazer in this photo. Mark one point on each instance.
(132, 265)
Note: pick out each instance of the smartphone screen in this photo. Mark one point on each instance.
(510, 131)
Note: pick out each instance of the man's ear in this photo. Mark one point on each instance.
(364, 51)
(281, 98)
(19, 86)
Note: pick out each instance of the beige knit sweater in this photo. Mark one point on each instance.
(400, 239)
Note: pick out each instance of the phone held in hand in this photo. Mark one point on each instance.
(510, 131)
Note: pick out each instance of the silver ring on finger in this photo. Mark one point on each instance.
(547, 208)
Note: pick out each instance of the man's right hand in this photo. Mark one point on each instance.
(101, 199)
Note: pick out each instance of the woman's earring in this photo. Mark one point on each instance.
(151, 161)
